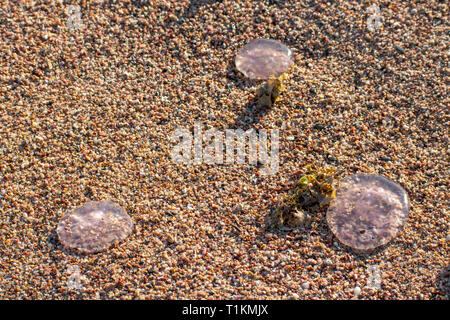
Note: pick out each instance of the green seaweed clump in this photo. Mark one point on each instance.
(313, 190)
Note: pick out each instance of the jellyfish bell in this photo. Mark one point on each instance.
(94, 227)
(262, 58)
(368, 211)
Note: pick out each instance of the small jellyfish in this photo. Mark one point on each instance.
(368, 211)
(263, 58)
(94, 227)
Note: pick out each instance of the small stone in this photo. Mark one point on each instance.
(305, 285)
(94, 227)
(297, 218)
(399, 49)
(357, 291)
(368, 211)
(262, 58)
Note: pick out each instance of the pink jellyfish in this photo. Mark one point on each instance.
(368, 211)
(94, 227)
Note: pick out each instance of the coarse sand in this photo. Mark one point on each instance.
(87, 110)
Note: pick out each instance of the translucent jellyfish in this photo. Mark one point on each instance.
(94, 227)
(262, 58)
(368, 211)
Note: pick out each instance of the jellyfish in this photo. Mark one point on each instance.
(263, 58)
(368, 211)
(94, 227)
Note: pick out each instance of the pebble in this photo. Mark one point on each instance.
(327, 262)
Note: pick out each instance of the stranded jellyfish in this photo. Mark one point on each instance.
(262, 58)
(94, 227)
(368, 211)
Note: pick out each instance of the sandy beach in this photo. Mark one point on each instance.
(90, 96)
